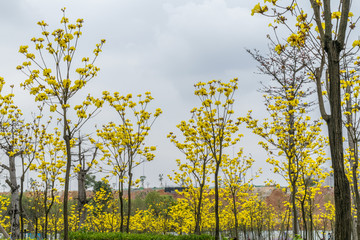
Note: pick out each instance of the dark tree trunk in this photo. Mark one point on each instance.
(67, 183)
(217, 219)
(305, 235)
(235, 216)
(129, 203)
(198, 212)
(121, 200)
(199, 206)
(21, 207)
(342, 193)
(354, 163)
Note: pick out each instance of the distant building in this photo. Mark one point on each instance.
(172, 189)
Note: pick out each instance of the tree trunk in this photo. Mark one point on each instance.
(294, 210)
(235, 216)
(121, 200)
(21, 207)
(67, 183)
(311, 221)
(198, 213)
(81, 197)
(3, 231)
(354, 163)
(129, 203)
(334, 122)
(217, 219)
(305, 235)
(14, 209)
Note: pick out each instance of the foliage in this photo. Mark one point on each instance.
(125, 236)
(56, 86)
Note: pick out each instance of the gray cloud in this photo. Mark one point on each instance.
(160, 46)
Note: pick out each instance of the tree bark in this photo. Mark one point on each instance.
(121, 201)
(67, 183)
(14, 209)
(21, 207)
(333, 48)
(81, 197)
(235, 215)
(354, 162)
(198, 212)
(217, 219)
(341, 184)
(3, 231)
(129, 202)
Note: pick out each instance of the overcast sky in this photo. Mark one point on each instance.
(161, 46)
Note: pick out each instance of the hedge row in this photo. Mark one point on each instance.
(133, 236)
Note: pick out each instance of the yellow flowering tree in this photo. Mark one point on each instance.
(14, 136)
(123, 144)
(51, 159)
(33, 141)
(236, 186)
(193, 173)
(86, 160)
(215, 126)
(325, 35)
(58, 85)
(294, 143)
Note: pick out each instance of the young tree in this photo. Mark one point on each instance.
(51, 159)
(194, 173)
(56, 87)
(34, 140)
(289, 133)
(236, 187)
(325, 35)
(13, 138)
(123, 142)
(83, 167)
(215, 126)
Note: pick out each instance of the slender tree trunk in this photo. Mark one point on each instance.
(198, 211)
(293, 173)
(129, 202)
(67, 139)
(235, 216)
(334, 122)
(305, 235)
(46, 209)
(46, 224)
(121, 201)
(36, 227)
(66, 190)
(21, 207)
(294, 210)
(311, 221)
(352, 140)
(217, 219)
(81, 197)
(55, 229)
(15, 220)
